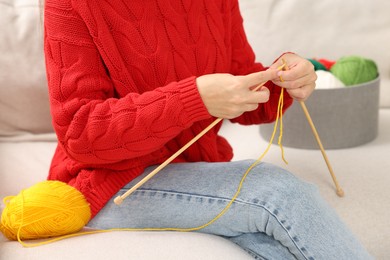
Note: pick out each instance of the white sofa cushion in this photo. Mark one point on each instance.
(22, 164)
(24, 101)
(131, 245)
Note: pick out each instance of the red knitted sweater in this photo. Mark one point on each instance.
(122, 87)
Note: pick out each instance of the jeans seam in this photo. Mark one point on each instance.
(255, 255)
(278, 220)
(226, 199)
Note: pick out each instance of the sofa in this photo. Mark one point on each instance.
(320, 29)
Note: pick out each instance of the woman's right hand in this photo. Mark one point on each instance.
(228, 96)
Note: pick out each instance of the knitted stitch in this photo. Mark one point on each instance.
(122, 87)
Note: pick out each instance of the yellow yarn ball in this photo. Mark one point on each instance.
(47, 209)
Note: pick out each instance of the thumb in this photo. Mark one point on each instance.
(260, 77)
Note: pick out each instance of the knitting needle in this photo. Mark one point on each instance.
(339, 191)
(119, 199)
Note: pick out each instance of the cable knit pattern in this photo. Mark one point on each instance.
(122, 85)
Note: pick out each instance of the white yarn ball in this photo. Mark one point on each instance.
(326, 80)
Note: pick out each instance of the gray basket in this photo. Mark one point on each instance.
(344, 117)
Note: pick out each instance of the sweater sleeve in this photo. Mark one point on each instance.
(244, 62)
(95, 125)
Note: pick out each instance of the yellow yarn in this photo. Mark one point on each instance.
(55, 209)
(47, 209)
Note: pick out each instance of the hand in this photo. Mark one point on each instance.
(299, 79)
(229, 96)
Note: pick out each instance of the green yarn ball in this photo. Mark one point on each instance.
(353, 70)
(317, 65)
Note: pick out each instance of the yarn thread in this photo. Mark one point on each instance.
(54, 209)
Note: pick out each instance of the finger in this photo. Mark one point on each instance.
(296, 71)
(291, 75)
(260, 77)
(260, 96)
(301, 93)
(296, 94)
(307, 79)
(250, 107)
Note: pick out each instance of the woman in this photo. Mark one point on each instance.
(131, 82)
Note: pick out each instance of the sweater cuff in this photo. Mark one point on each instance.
(192, 101)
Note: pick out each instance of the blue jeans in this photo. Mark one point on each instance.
(275, 216)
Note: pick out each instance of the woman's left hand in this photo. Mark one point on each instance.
(299, 79)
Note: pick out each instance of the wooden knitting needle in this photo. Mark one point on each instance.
(119, 199)
(339, 191)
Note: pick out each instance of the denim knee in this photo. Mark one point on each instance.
(281, 185)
